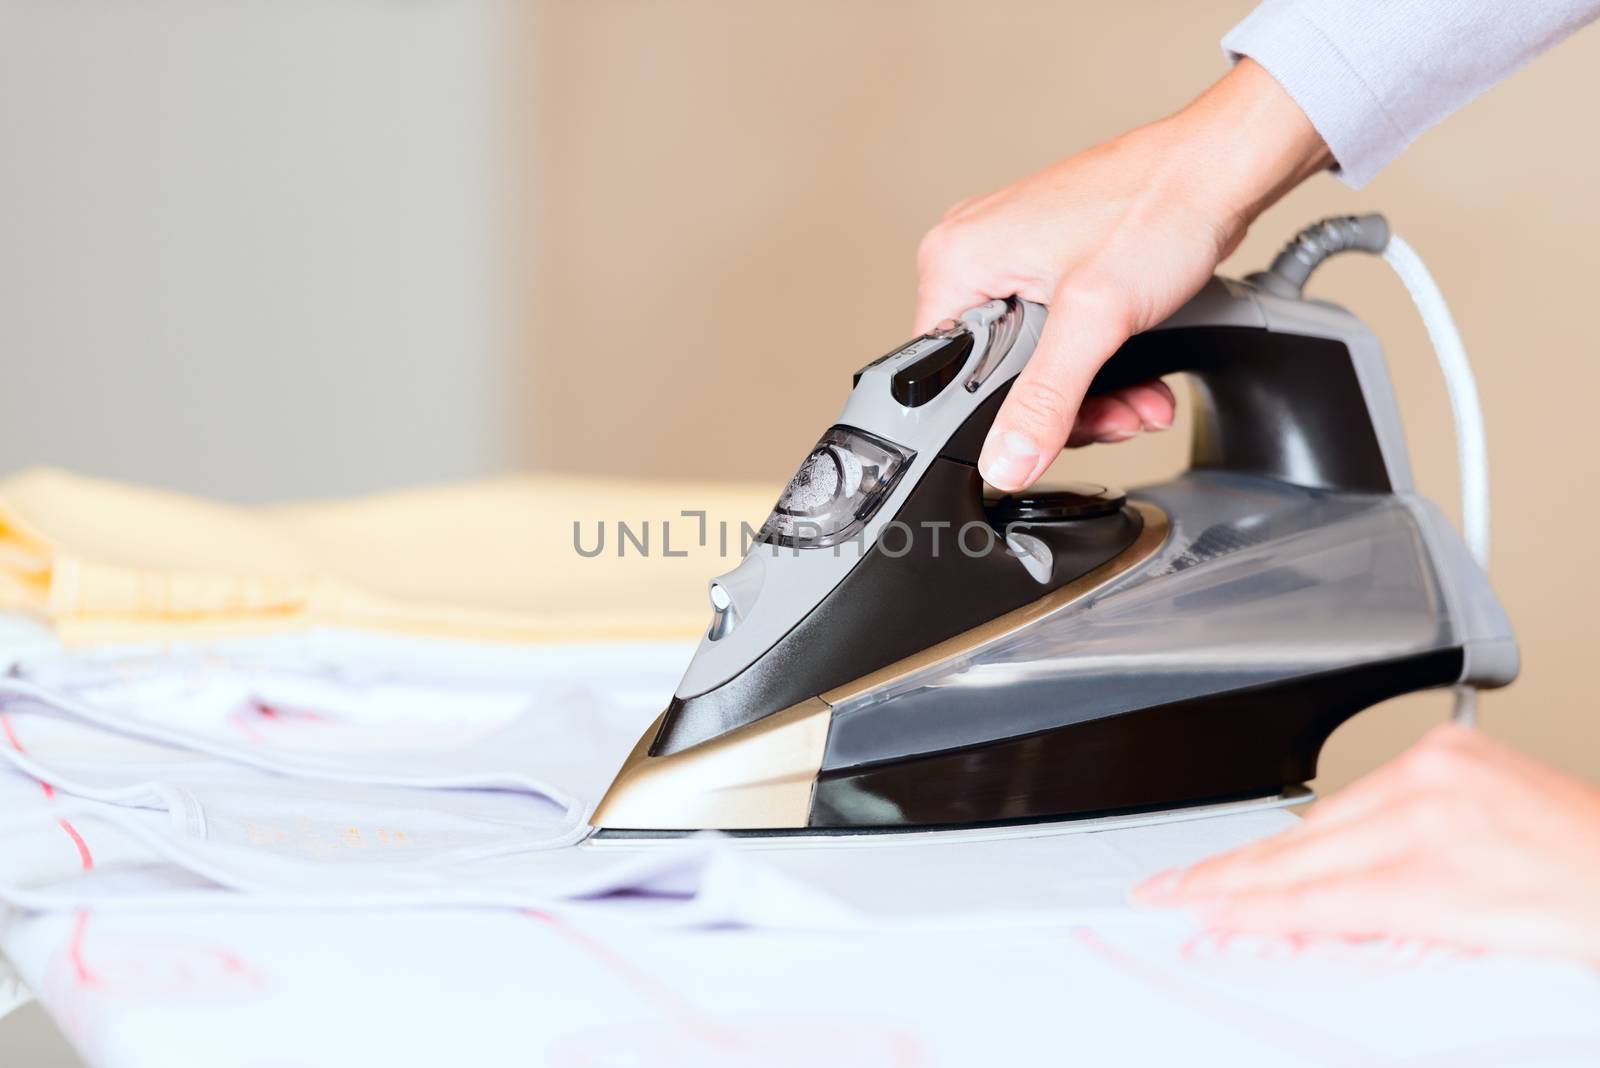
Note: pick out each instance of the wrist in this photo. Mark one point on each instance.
(1243, 144)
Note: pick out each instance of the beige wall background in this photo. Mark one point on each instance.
(255, 250)
(727, 196)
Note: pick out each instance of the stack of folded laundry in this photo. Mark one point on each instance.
(531, 558)
(391, 700)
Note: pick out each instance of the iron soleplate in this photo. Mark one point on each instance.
(832, 837)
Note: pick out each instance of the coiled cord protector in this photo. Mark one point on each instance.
(1370, 233)
(1313, 245)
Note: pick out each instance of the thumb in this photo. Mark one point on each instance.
(1089, 320)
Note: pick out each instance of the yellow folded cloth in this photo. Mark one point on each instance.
(496, 558)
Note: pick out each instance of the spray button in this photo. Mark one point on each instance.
(733, 596)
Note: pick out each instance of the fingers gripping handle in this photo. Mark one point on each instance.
(1282, 388)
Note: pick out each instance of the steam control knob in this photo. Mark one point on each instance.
(1072, 502)
(925, 377)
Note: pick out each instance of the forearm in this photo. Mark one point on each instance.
(1242, 144)
(1373, 75)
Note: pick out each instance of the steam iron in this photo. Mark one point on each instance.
(899, 652)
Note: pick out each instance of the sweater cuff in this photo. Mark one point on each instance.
(1318, 77)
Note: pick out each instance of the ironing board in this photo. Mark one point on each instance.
(963, 984)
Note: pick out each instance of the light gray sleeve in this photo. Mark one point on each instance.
(1372, 75)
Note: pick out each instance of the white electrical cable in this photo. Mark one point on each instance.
(1472, 451)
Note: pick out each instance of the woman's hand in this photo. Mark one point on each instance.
(1114, 240)
(1459, 841)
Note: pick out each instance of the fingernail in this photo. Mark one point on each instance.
(1160, 423)
(1159, 888)
(1120, 435)
(1008, 459)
